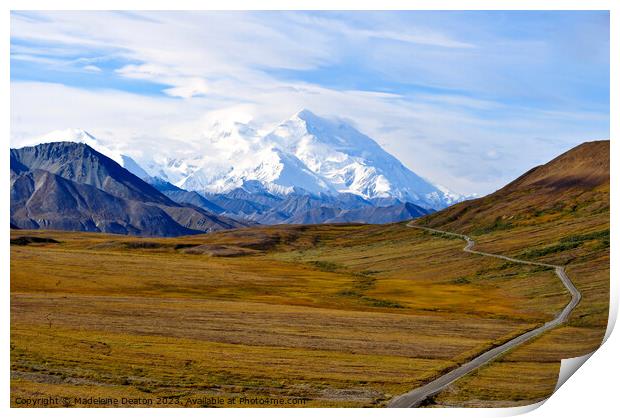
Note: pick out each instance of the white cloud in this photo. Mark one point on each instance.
(189, 88)
(91, 68)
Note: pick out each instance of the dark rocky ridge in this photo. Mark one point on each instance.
(70, 186)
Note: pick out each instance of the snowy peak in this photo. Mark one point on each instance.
(337, 133)
(353, 162)
(69, 135)
(82, 137)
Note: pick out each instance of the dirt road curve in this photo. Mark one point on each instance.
(413, 398)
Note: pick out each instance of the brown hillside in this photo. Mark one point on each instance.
(574, 184)
(583, 167)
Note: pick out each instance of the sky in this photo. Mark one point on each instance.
(469, 100)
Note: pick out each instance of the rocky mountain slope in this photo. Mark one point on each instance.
(70, 186)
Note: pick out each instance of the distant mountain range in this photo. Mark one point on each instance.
(307, 169)
(296, 208)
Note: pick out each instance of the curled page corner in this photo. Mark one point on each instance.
(568, 367)
(613, 315)
(520, 410)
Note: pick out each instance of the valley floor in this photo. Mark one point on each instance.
(325, 315)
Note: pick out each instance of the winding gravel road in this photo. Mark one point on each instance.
(413, 398)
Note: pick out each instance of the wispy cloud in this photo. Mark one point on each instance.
(91, 68)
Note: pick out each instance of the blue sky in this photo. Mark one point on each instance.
(469, 100)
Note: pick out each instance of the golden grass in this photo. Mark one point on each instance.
(502, 384)
(190, 367)
(343, 315)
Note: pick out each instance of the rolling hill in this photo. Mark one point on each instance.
(575, 184)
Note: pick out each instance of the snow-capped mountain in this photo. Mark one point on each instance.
(354, 163)
(304, 154)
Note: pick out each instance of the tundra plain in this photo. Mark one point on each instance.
(342, 315)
